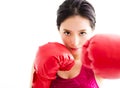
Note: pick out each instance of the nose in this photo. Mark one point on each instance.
(75, 40)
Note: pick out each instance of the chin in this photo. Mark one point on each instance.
(76, 54)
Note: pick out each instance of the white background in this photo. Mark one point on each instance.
(26, 24)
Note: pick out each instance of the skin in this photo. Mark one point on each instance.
(75, 31)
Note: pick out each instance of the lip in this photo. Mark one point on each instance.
(74, 49)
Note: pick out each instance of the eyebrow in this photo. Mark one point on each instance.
(66, 30)
(79, 30)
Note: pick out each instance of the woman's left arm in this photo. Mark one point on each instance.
(99, 80)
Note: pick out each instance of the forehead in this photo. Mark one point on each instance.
(76, 23)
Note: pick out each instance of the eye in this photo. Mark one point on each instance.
(83, 33)
(67, 33)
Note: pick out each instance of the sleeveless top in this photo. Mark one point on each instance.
(85, 79)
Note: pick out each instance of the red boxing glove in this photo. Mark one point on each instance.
(102, 54)
(50, 58)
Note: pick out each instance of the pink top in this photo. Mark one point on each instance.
(85, 79)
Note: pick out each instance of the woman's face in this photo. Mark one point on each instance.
(74, 32)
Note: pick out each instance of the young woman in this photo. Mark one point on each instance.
(76, 23)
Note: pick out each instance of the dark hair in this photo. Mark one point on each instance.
(76, 7)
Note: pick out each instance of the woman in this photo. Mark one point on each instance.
(76, 22)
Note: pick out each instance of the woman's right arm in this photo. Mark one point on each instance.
(50, 58)
(31, 75)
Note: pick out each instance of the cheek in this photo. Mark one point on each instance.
(84, 40)
(65, 40)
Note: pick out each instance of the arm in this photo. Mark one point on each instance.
(99, 80)
(31, 77)
(102, 54)
(50, 58)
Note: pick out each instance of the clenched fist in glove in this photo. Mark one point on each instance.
(50, 58)
(102, 54)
